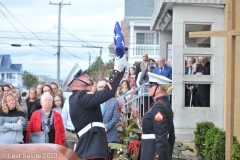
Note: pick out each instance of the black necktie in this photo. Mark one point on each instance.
(161, 70)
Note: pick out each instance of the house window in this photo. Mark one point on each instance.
(194, 64)
(203, 42)
(145, 38)
(169, 50)
(197, 90)
(197, 95)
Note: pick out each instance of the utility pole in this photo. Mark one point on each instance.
(89, 59)
(99, 63)
(60, 5)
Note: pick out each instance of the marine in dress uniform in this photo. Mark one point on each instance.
(157, 124)
(85, 111)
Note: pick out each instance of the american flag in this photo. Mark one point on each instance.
(119, 41)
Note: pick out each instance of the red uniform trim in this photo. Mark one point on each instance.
(159, 116)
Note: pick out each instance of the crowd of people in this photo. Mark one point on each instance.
(86, 121)
(46, 109)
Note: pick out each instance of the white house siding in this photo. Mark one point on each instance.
(185, 118)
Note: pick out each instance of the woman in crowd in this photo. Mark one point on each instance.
(12, 121)
(157, 124)
(60, 92)
(27, 106)
(125, 89)
(131, 77)
(37, 105)
(18, 95)
(48, 120)
(58, 103)
(28, 103)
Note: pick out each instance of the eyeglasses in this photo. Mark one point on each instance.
(82, 81)
(100, 87)
(152, 84)
(46, 91)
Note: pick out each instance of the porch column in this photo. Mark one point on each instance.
(131, 41)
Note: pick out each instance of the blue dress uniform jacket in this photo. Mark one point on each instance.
(158, 121)
(85, 109)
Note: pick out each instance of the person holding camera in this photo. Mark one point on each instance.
(146, 101)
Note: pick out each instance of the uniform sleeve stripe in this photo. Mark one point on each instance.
(110, 87)
(89, 92)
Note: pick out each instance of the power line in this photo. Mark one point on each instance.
(80, 34)
(21, 23)
(71, 53)
(78, 39)
(69, 46)
(68, 40)
(35, 9)
(12, 24)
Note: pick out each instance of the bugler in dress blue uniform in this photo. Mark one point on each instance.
(85, 109)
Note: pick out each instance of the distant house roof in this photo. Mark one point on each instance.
(3, 82)
(48, 79)
(7, 66)
(139, 8)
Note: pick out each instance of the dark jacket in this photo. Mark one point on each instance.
(204, 89)
(85, 109)
(137, 70)
(159, 121)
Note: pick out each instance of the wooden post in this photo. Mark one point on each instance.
(230, 80)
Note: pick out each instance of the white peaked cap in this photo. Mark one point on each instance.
(155, 78)
(70, 76)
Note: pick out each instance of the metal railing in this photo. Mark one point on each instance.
(135, 100)
(152, 50)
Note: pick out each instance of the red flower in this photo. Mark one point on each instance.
(133, 146)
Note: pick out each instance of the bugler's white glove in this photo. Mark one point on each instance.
(120, 63)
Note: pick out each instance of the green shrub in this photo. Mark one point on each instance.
(208, 149)
(235, 155)
(200, 133)
(218, 149)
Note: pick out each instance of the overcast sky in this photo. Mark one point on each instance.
(35, 22)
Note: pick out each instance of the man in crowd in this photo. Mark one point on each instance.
(6, 89)
(85, 105)
(138, 68)
(70, 134)
(111, 116)
(162, 68)
(202, 98)
(54, 87)
(190, 89)
(170, 61)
